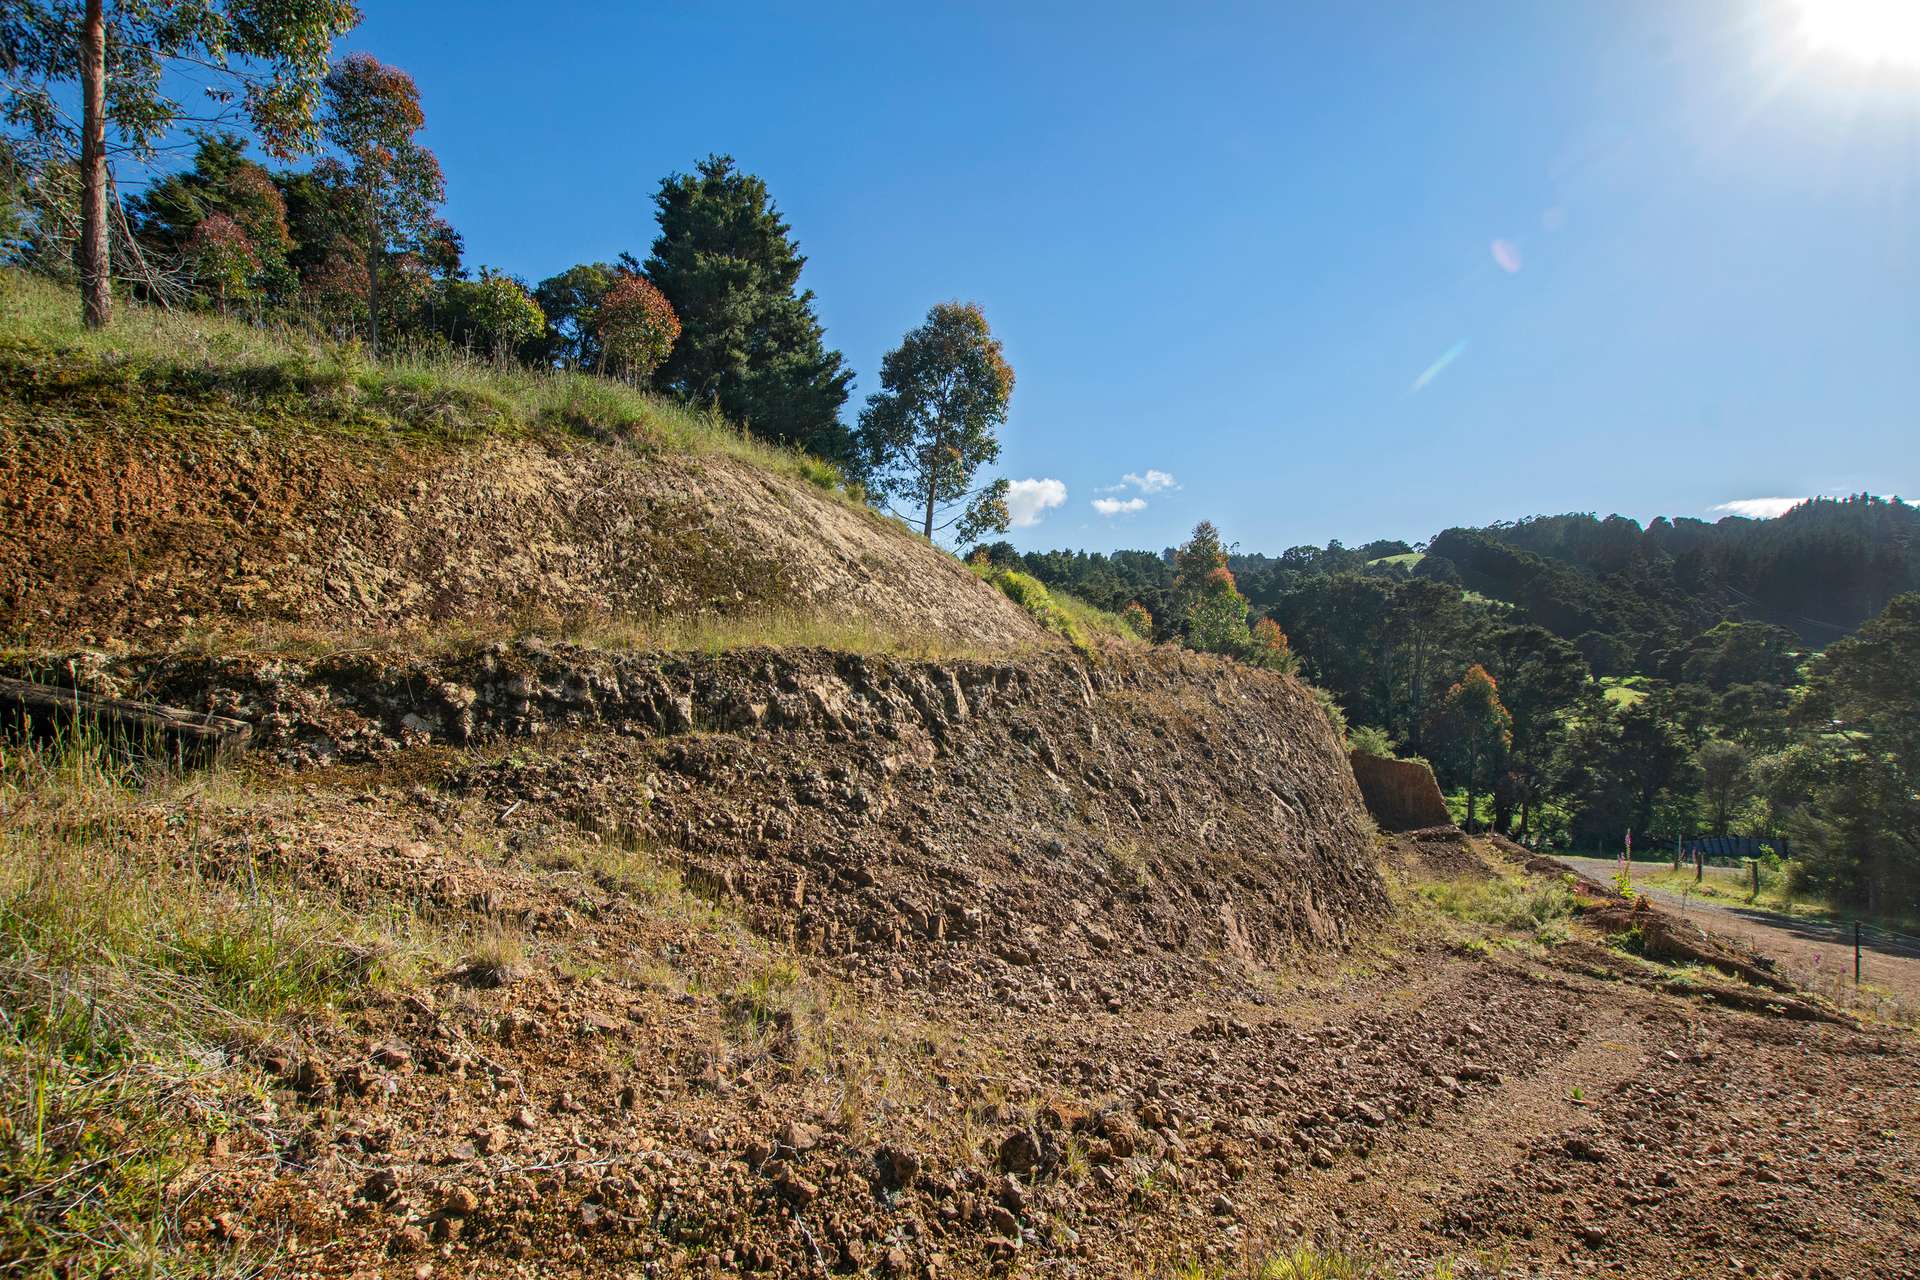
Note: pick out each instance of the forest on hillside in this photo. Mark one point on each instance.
(1576, 678)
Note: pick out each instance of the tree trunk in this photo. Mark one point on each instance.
(933, 483)
(373, 290)
(96, 277)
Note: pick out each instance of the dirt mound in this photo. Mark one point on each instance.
(1443, 851)
(1401, 794)
(210, 517)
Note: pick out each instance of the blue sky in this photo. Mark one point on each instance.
(1338, 270)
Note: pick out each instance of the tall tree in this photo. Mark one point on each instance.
(1542, 679)
(569, 301)
(934, 422)
(174, 212)
(1863, 827)
(394, 183)
(1726, 779)
(749, 343)
(1479, 730)
(269, 55)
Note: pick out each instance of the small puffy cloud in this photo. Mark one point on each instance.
(1758, 508)
(1151, 482)
(1119, 506)
(1028, 500)
(1507, 255)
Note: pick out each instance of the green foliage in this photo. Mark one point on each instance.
(1030, 595)
(1137, 620)
(1481, 730)
(1216, 616)
(1860, 830)
(1370, 741)
(570, 300)
(1726, 780)
(750, 344)
(934, 423)
(391, 182)
(1073, 620)
(230, 205)
(271, 54)
(1739, 653)
(496, 311)
(1518, 903)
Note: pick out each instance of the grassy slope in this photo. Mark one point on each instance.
(433, 395)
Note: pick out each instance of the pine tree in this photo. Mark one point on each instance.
(749, 342)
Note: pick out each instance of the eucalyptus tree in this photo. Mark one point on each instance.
(261, 60)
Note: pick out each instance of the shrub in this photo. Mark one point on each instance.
(636, 327)
(1138, 620)
(1268, 647)
(1370, 741)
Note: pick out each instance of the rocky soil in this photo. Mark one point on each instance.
(804, 964)
(201, 516)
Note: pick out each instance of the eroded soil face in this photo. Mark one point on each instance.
(207, 517)
(921, 970)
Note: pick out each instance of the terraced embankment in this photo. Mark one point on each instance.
(807, 964)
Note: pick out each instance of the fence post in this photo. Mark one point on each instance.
(1856, 953)
(1699, 865)
(1755, 864)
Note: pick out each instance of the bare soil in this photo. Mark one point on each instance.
(203, 518)
(843, 967)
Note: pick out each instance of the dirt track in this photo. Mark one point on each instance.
(1813, 952)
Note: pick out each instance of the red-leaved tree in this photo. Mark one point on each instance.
(636, 327)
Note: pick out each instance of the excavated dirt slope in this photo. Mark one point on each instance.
(204, 515)
(838, 966)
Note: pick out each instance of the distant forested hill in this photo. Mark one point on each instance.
(1820, 570)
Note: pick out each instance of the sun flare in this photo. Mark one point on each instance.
(1875, 31)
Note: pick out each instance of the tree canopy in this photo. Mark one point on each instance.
(750, 343)
(935, 422)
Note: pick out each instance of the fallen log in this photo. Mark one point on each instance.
(44, 712)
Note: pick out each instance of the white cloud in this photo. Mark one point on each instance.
(1758, 508)
(1152, 482)
(1028, 500)
(1119, 506)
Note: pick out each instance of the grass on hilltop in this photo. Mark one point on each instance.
(152, 361)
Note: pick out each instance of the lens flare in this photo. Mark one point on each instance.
(1872, 31)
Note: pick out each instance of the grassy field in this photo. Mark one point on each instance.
(1406, 559)
(149, 352)
(1622, 691)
